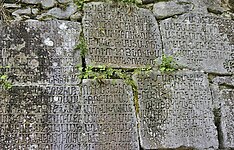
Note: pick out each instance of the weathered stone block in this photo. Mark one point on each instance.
(168, 9)
(120, 35)
(200, 41)
(109, 115)
(90, 116)
(176, 110)
(227, 115)
(40, 52)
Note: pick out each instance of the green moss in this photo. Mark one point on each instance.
(4, 81)
(82, 46)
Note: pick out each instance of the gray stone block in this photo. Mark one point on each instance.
(109, 116)
(120, 35)
(226, 81)
(200, 41)
(40, 52)
(91, 116)
(227, 115)
(168, 9)
(176, 110)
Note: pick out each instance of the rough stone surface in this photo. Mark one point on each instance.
(62, 14)
(26, 11)
(42, 52)
(44, 3)
(11, 5)
(227, 81)
(94, 116)
(227, 115)
(120, 35)
(48, 3)
(176, 110)
(109, 116)
(65, 1)
(31, 1)
(76, 17)
(200, 41)
(167, 9)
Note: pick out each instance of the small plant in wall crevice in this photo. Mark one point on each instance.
(4, 82)
(168, 64)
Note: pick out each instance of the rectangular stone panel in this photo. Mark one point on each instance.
(109, 116)
(40, 52)
(200, 41)
(227, 115)
(92, 116)
(41, 117)
(176, 111)
(120, 35)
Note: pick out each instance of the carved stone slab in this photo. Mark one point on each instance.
(227, 115)
(109, 116)
(40, 52)
(120, 35)
(176, 110)
(94, 116)
(200, 41)
(41, 117)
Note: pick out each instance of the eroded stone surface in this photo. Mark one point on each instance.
(176, 110)
(120, 35)
(200, 42)
(62, 13)
(227, 115)
(168, 9)
(40, 52)
(226, 81)
(91, 116)
(109, 116)
(41, 117)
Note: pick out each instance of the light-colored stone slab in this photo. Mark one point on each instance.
(171, 8)
(109, 115)
(120, 35)
(176, 110)
(200, 41)
(227, 115)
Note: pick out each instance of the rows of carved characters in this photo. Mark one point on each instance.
(227, 115)
(176, 110)
(200, 41)
(109, 112)
(42, 117)
(120, 35)
(40, 51)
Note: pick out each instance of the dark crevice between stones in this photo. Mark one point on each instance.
(217, 122)
(160, 33)
(214, 11)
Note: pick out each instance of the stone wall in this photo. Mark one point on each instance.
(133, 105)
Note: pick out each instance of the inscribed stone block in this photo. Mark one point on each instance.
(227, 115)
(176, 110)
(40, 52)
(120, 35)
(109, 117)
(200, 41)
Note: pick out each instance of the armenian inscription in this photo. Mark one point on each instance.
(176, 110)
(40, 52)
(200, 41)
(120, 35)
(109, 116)
(227, 122)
